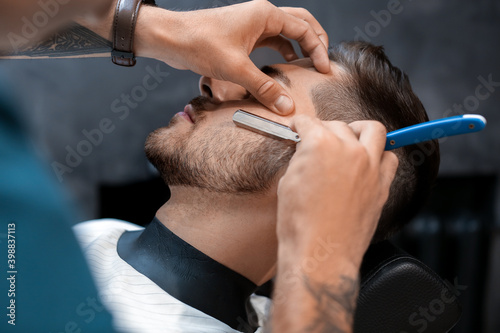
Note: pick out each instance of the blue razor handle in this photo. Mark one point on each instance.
(430, 130)
(435, 129)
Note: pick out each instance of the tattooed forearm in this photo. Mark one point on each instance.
(74, 42)
(335, 305)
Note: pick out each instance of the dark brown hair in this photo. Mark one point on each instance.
(371, 88)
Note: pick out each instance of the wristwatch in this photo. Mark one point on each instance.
(123, 31)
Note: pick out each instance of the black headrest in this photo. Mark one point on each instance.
(399, 294)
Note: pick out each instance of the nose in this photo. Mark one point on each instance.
(219, 91)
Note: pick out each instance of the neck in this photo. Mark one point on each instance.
(238, 231)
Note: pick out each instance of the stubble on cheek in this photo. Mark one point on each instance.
(221, 158)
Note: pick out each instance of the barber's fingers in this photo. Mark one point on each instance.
(388, 167)
(280, 44)
(331, 135)
(341, 129)
(300, 30)
(311, 128)
(306, 126)
(264, 88)
(372, 134)
(309, 18)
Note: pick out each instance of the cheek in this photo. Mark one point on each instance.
(270, 115)
(308, 110)
(304, 105)
(224, 143)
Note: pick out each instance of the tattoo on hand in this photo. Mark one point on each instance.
(335, 305)
(74, 42)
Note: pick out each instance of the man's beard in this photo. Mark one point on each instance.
(222, 159)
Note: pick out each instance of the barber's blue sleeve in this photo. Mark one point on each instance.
(48, 288)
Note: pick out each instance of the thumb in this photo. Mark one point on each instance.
(265, 89)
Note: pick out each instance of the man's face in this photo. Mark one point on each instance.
(202, 147)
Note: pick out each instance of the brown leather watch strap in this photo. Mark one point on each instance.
(123, 32)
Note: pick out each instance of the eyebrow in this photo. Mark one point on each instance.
(277, 74)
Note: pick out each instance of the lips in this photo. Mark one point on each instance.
(184, 115)
(187, 114)
(188, 110)
(196, 109)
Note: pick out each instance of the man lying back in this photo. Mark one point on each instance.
(195, 267)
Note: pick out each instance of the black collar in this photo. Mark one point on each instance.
(189, 275)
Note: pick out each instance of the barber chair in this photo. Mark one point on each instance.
(400, 294)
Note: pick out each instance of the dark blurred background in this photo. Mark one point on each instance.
(448, 49)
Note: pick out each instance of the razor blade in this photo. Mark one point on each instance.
(430, 130)
(264, 126)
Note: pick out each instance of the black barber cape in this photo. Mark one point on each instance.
(189, 275)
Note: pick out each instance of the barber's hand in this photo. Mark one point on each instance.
(217, 42)
(335, 186)
(329, 202)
